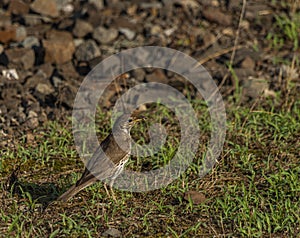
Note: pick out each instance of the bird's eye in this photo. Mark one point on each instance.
(129, 120)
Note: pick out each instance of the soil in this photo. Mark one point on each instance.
(44, 56)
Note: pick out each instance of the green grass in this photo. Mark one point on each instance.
(253, 190)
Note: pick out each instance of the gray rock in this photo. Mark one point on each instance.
(112, 232)
(56, 81)
(105, 36)
(99, 4)
(32, 19)
(21, 33)
(128, 33)
(30, 41)
(21, 57)
(139, 74)
(82, 28)
(44, 88)
(32, 120)
(87, 51)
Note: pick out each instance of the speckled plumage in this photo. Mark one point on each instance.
(109, 166)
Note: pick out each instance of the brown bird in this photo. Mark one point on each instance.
(111, 165)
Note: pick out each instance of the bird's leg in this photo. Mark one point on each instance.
(106, 190)
(111, 190)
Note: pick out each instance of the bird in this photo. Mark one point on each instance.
(110, 166)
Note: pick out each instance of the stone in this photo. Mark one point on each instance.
(67, 95)
(56, 81)
(44, 88)
(158, 76)
(82, 28)
(65, 5)
(30, 42)
(20, 33)
(155, 30)
(87, 51)
(99, 4)
(248, 63)
(10, 74)
(7, 35)
(59, 47)
(105, 36)
(34, 80)
(5, 20)
(128, 33)
(195, 196)
(78, 42)
(32, 19)
(18, 7)
(112, 232)
(21, 57)
(13, 33)
(32, 120)
(47, 69)
(254, 87)
(139, 74)
(45, 7)
(67, 70)
(216, 16)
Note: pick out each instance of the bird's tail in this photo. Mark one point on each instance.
(69, 193)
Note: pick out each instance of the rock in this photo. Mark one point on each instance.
(65, 5)
(10, 74)
(215, 15)
(13, 33)
(67, 70)
(170, 31)
(7, 35)
(195, 196)
(139, 74)
(66, 24)
(56, 81)
(47, 69)
(44, 89)
(5, 20)
(32, 120)
(208, 39)
(34, 80)
(30, 42)
(32, 19)
(87, 51)
(20, 33)
(248, 63)
(45, 7)
(99, 4)
(113, 232)
(158, 76)
(18, 7)
(128, 33)
(105, 36)
(67, 95)
(82, 28)
(254, 87)
(59, 47)
(78, 42)
(21, 57)
(234, 5)
(1, 49)
(155, 30)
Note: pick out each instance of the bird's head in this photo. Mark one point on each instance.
(126, 122)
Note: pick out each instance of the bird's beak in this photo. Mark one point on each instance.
(138, 119)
